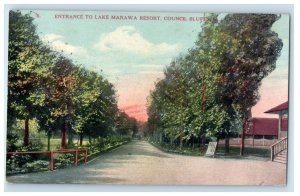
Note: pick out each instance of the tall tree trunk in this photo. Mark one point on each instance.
(218, 139)
(160, 137)
(202, 142)
(227, 144)
(70, 136)
(63, 136)
(203, 138)
(243, 138)
(181, 138)
(81, 139)
(193, 141)
(48, 142)
(90, 139)
(171, 140)
(26, 132)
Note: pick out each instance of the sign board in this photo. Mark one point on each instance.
(211, 149)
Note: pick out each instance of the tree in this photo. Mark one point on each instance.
(95, 107)
(25, 56)
(253, 57)
(125, 125)
(48, 87)
(212, 89)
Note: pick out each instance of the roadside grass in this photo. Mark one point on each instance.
(185, 150)
(249, 153)
(54, 142)
(234, 151)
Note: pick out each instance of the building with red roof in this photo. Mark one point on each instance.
(282, 111)
(270, 127)
(282, 108)
(266, 127)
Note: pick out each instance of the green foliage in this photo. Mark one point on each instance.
(17, 163)
(172, 148)
(63, 160)
(49, 89)
(210, 90)
(33, 163)
(53, 93)
(35, 166)
(11, 142)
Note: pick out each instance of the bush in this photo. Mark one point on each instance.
(16, 163)
(11, 142)
(63, 160)
(35, 166)
(40, 162)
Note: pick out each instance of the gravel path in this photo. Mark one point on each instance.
(138, 162)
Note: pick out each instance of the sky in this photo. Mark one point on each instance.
(132, 53)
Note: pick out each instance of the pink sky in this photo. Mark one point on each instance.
(135, 92)
(274, 91)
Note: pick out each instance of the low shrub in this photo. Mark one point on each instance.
(40, 162)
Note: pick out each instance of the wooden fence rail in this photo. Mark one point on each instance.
(52, 152)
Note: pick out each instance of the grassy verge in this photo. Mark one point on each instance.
(234, 152)
(97, 153)
(185, 150)
(249, 153)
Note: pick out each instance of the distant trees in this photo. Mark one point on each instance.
(47, 86)
(209, 92)
(126, 125)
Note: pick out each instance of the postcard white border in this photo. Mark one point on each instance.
(161, 8)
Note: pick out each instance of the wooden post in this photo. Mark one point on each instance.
(51, 160)
(76, 157)
(279, 126)
(272, 153)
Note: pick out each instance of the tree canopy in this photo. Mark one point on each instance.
(210, 90)
(48, 86)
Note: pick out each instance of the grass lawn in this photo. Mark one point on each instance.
(185, 150)
(249, 153)
(234, 152)
(54, 142)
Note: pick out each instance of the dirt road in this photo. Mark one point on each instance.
(138, 162)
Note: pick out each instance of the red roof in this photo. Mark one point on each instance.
(265, 126)
(281, 107)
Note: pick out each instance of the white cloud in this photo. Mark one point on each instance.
(57, 42)
(51, 37)
(127, 39)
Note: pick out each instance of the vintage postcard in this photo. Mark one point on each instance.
(147, 98)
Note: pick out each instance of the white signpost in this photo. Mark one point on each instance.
(211, 149)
